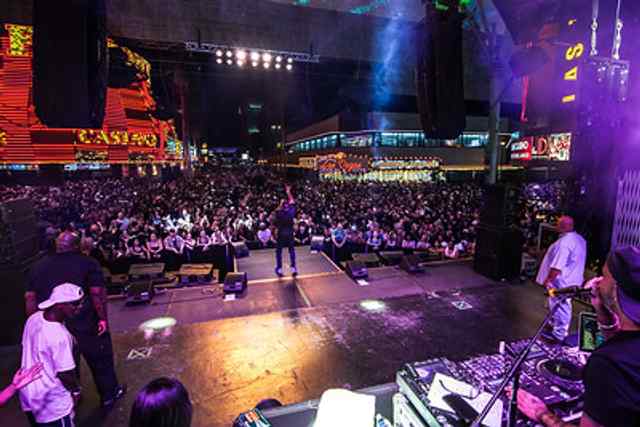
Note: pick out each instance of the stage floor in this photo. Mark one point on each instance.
(292, 340)
(260, 264)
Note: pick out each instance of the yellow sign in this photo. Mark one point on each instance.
(571, 74)
(115, 137)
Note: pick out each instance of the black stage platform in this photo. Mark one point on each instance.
(292, 340)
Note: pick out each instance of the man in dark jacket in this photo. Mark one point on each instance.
(90, 326)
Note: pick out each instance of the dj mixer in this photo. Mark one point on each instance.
(553, 373)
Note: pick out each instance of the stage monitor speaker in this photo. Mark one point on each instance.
(235, 283)
(70, 63)
(498, 252)
(357, 270)
(391, 257)
(370, 259)
(142, 291)
(411, 264)
(317, 243)
(439, 74)
(240, 249)
(501, 204)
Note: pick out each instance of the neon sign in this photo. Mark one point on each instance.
(115, 137)
(571, 70)
(556, 147)
(3, 137)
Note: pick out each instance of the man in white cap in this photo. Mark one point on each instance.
(50, 399)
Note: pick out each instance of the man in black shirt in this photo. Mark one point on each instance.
(612, 374)
(90, 325)
(284, 235)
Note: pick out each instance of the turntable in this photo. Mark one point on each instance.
(560, 372)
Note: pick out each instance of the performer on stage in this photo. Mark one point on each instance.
(612, 374)
(284, 232)
(563, 266)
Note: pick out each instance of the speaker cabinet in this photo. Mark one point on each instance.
(500, 206)
(498, 252)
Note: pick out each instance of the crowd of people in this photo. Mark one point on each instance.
(193, 218)
(186, 219)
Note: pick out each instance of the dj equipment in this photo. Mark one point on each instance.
(553, 373)
(317, 243)
(391, 257)
(498, 252)
(357, 270)
(196, 273)
(370, 259)
(411, 264)
(235, 283)
(240, 249)
(141, 291)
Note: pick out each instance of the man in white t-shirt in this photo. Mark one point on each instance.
(563, 266)
(50, 399)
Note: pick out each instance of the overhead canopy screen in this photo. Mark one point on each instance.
(411, 10)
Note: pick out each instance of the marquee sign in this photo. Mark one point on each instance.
(411, 164)
(115, 137)
(341, 162)
(554, 147)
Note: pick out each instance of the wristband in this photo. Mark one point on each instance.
(611, 327)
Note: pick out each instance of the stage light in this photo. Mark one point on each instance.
(278, 58)
(373, 305)
(290, 60)
(240, 63)
(159, 323)
(289, 67)
(229, 54)
(266, 57)
(219, 60)
(229, 62)
(266, 65)
(241, 55)
(255, 56)
(219, 53)
(278, 66)
(254, 64)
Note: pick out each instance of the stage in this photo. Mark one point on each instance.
(293, 339)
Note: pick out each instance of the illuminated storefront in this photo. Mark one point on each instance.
(130, 131)
(347, 167)
(389, 139)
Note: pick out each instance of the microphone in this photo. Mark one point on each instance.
(571, 291)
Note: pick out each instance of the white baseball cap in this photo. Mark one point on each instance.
(66, 292)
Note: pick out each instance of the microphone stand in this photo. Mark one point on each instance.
(513, 377)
